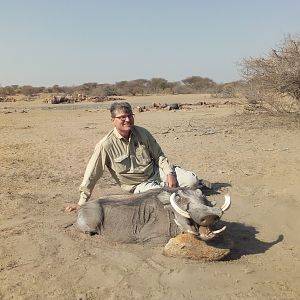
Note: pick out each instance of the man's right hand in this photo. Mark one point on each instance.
(171, 181)
(72, 207)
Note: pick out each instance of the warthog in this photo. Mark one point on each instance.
(151, 217)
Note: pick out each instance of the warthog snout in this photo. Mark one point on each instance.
(209, 220)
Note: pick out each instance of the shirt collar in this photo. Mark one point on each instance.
(119, 136)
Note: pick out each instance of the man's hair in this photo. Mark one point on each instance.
(120, 106)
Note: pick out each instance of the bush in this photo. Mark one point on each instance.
(273, 82)
(200, 84)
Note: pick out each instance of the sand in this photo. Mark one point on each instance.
(44, 150)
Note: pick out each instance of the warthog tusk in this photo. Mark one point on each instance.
(226, 204)
(206, 236)
(177, 208)
(219, 230)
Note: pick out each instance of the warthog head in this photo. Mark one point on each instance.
(197, 215)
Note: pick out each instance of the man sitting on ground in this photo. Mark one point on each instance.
(134, 159)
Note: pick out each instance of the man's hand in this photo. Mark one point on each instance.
(72, 207)
(171, 181)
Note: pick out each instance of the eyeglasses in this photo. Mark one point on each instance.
(124, 117)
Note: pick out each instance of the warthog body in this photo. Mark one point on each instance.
(146, 217)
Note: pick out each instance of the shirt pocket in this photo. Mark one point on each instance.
(142, 155)
(122, 164)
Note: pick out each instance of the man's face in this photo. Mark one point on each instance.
(123, 122)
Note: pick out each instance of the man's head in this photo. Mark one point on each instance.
(122, 117)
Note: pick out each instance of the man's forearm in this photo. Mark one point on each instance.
(93, 172)
(165, 165)
(83, 198)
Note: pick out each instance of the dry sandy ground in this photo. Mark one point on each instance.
(44, 150)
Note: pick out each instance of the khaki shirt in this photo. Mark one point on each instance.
(129, 162)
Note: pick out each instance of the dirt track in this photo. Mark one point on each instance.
(43, 154)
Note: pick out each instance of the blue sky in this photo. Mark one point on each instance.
(66, 42)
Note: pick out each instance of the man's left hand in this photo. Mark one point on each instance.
(171, 181)
(72, 207)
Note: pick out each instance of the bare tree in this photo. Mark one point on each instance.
(273, 82)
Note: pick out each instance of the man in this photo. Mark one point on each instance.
(133, 157)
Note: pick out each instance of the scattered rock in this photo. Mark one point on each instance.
(57, 99)
(173, 106)
(7, 99)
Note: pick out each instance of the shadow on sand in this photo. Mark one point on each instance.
(243, 240)
(241, 236)
(215, 188)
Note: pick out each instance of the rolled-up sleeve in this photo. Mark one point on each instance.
(158, 156)
(93, 172)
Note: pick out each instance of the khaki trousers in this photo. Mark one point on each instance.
(185, 179)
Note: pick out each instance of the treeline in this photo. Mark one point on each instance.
(189, 85)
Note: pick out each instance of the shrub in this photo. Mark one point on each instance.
(273, 82)
(200, 84)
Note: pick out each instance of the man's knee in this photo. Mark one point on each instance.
(146, 186)
(191, 182)
(187, 179)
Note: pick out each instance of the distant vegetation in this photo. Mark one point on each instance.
(270, 83)
(190, 85)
